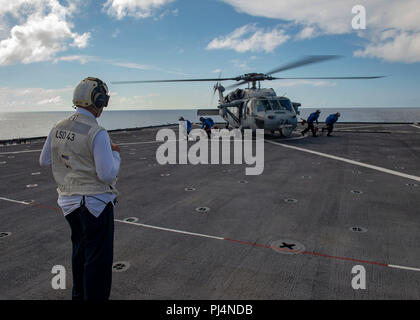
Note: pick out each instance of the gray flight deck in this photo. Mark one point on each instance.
(307, 201)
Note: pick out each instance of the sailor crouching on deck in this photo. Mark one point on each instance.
(332, 118)
(310, 121)
(85, 166)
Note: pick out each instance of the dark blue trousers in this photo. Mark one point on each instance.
(93, 246)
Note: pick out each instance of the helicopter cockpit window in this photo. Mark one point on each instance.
(282, 104)
(262, 105)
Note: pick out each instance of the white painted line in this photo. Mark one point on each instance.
(380, 125)
(17, 152)
(170, 230)
(402, 267)
(140, 142)
(415, 126)
(120, 144)
(377, 131)
(15, 201)
(130, 143)
(294, 138)
(347, 128)
(356, 163)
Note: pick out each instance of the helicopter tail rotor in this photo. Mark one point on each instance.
(216, 87)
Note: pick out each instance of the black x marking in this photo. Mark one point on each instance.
(286, 245)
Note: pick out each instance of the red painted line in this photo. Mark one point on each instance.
(307, 252)
(44, 206)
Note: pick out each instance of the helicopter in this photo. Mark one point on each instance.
(255, 107)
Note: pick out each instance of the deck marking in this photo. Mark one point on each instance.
(373, 126)
(170, 230)
(133, 143)
(24, 151)
(254, 244)
(15, 201)
(415, 126)
(402, 267)
(357, 163)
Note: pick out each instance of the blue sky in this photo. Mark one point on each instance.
(48, 46)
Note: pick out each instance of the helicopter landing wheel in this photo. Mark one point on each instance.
(286, 132)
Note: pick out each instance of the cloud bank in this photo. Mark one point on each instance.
(392, 34)
(250, 38)
(42, 30)
(134, 8)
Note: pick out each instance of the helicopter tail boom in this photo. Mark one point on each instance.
(207, 112)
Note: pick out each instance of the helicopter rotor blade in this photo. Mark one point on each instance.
(310, 78)
(173, 80)
(303, 61)
(328, 78)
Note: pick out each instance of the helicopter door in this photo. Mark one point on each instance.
(261, 107)
(247, 118)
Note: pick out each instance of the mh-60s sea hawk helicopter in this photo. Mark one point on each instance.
(256, 107)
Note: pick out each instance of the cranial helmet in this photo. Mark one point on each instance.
(338, 114)
(201, 119)
(318, 111)
(91, 92)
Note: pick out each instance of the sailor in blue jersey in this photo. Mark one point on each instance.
(331, 119)
(310, 121)
(207, 124)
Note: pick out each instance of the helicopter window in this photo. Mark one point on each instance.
(281, 104)
(262, 105)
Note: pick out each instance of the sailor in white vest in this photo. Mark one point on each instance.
(85, 166)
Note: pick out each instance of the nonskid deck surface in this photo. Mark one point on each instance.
(365, 176)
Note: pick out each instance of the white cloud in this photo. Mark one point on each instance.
(145, 101)
(82, 59)
(306, 33)
(80, 41)
(134, 8)
(398, 19)
(34, 99)
(250, 38)
(404, 47)
(41, 33)
(131, 65)
(50, 101)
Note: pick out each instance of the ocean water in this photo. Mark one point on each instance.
(36, 124)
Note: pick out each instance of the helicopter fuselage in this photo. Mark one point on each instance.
(255, 108)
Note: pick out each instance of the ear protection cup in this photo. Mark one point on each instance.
(98, 100)
(100, 95)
